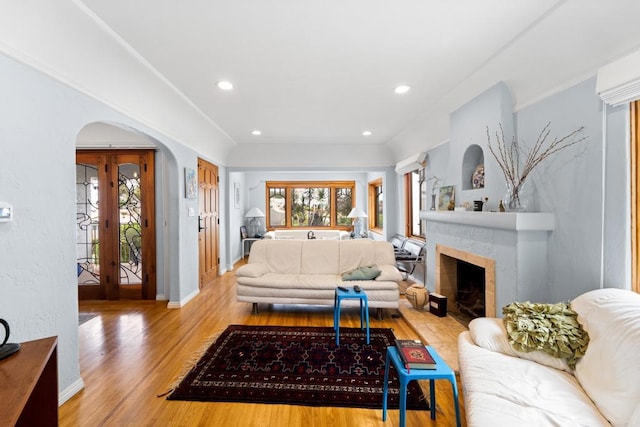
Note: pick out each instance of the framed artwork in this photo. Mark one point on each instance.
(236, 195)
(243, 232)
(190, 183)
(446, 199)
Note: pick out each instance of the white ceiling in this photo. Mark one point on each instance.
(323, 71)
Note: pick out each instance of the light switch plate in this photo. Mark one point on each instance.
(6, 212)
(192, 212)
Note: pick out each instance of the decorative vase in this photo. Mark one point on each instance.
(417, 295)
(517, 198)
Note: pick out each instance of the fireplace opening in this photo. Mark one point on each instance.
(470, 291)
(468, 281)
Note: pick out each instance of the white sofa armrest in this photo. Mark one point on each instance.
(255, 269)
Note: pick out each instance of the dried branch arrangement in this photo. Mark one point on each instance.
(508, 156)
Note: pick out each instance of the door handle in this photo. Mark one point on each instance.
(200, 227)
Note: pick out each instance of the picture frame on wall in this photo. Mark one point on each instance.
(446, 198)
(190, 183)
(236, 195)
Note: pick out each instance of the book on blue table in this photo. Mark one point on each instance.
(415, 355)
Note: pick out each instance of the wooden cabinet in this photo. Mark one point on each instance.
(29, 391)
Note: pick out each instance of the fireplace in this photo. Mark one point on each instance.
(467, 280)
(511, 248)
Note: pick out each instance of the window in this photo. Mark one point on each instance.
(309, 204)
(376, 205)
(415, 190)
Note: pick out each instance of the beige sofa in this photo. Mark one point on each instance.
(503, 387)
(308, 272)
(304, 234)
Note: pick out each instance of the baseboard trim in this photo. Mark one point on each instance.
(184, 301)
(70, 391)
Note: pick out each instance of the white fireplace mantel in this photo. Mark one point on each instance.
(517, 221)
(516, 242)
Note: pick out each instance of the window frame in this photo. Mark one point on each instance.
(635, 196)
(409, 195)
(289, 186)
(372, 195)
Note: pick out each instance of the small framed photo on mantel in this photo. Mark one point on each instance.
(446, 198)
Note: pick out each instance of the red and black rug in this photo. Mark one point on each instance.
(296, 366)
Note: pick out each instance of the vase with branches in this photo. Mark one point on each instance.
(434, 188)
(509, 158)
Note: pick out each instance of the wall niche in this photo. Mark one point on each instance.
(473, 168)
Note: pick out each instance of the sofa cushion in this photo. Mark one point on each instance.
(283, 256)
(320, 257)
(388, 273)
(609, 371)
(635, 417)
(356, 253)
(362, 273)
(491, 334)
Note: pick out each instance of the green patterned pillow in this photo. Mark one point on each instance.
(362, 273)
(552, 328)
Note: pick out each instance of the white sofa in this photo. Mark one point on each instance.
(503, 387)
(308, 272)
(303, 234)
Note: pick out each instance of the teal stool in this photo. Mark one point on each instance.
(442, 372)
(364, 309)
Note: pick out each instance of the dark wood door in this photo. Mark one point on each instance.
(116, 252)
(208, 221)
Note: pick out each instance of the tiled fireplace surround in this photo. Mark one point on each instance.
(511, 247)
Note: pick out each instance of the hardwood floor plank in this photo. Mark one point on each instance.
(133, 351)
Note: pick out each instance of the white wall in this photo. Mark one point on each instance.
(41, 120)
(572, 184)
(469, 126)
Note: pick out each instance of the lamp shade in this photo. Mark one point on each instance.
(254, 213)
(357, 213)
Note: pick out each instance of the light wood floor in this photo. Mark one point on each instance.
(134, 350)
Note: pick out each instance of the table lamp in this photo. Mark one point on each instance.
(254, 222)
(358, 216)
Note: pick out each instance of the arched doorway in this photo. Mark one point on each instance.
(115, 189)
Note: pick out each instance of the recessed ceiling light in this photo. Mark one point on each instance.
(225, 85)
(256, 132)
(402, 89)
(367, 133)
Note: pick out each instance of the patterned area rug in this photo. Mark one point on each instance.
(297, 366)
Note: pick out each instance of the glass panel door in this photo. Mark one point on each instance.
(87, 221)
(130, 229)
(115, 224)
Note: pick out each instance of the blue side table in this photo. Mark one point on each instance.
(442, 371)
(364, 309)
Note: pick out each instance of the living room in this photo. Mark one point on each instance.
(50, 95)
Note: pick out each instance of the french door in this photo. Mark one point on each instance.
(208, 223)
(116, 252)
